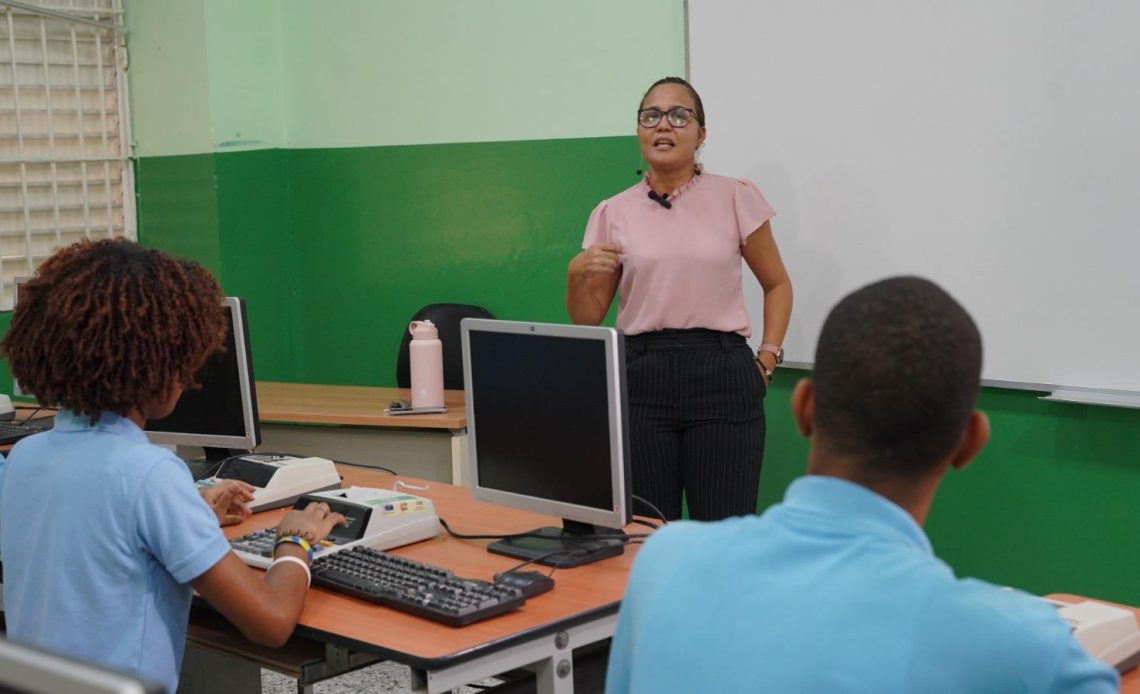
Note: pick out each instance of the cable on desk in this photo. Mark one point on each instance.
(27, 419)
(655, 510)
(390, 471)
(624, 537)
(648, 524)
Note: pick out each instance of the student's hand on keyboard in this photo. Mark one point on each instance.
(313, 523)
(229, 501)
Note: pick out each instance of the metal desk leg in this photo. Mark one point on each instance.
(459, 468)
(550, 657)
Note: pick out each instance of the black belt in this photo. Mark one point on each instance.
(691, 338)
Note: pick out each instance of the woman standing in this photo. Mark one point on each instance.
(670, 247)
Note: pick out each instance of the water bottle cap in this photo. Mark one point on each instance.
(423, 330)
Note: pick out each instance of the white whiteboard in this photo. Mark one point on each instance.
(992, 146)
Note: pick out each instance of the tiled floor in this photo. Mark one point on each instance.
(383, 678)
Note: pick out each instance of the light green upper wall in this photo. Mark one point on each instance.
(219, 75)
(205, 75)
(393, 72)
(246, 88)
(168, 76)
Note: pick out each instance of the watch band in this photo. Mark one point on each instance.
(776, 351)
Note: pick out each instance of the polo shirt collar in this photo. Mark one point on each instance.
(854, 504)
(70, 421)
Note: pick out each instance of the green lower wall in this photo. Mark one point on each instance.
(386, 230)
(335, 249)
(1050, 505)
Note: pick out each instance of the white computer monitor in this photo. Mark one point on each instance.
(547, 432)
(220, 415)
(30, 670)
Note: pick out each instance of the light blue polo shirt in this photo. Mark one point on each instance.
(834, 590)
(101, 534)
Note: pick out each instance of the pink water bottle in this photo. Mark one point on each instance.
(426, 356)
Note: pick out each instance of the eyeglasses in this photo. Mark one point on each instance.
(678, 117)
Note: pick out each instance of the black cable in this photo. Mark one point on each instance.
(652, 507)
(548, 555)
(27, 419)
(624, 537)
(390, 471)
(648, 524)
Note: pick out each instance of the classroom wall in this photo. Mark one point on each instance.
(398, 154)
(425, 151)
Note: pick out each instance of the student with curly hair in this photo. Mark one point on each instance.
(104, 535)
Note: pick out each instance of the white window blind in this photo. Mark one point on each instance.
(65, 172)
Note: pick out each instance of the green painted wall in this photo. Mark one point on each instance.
(178, 206)
(336, 240)
(1049, 506)
(385, 230)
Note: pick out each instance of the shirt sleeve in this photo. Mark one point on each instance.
(2, 461)
(176, 525)
(1078, 672)
(752, 209)
(598, 228)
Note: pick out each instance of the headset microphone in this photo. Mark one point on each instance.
(662, 200)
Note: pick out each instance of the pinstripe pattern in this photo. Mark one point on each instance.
(696, 422)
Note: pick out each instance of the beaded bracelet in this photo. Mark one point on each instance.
(294, 540)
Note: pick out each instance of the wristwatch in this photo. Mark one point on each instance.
(774, 350)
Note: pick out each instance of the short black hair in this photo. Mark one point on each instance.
(897, 375)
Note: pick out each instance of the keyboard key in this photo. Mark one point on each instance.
(413, 587)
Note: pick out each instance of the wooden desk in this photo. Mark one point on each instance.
(349, 423)
(582, 608)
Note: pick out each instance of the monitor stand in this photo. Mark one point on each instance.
(206, 467)
(563, 547)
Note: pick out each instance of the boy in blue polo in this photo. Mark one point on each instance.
(837, 589)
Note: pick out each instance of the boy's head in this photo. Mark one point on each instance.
(897, 375)
(110, 325)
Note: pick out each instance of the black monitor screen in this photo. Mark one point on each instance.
(542, 412)
(215, 407)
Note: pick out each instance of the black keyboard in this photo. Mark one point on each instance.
(11, 433)
(413, 587)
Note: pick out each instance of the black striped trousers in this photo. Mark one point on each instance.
(696, 422)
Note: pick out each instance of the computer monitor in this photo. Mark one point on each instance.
(30, 670)
(220, 415)
(547, 431)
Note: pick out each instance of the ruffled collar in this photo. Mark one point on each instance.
(676, 193)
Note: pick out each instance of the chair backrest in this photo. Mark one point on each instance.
(446, 318)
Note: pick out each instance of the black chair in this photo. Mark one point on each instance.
(446, 318)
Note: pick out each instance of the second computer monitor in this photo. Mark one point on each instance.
(221, 414)
(547, 432)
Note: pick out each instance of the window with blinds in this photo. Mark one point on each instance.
(65, 174)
